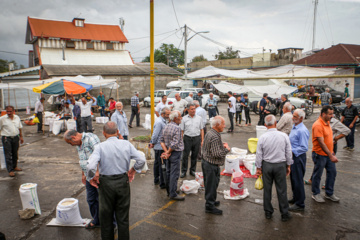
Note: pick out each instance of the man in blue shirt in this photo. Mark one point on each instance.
(101, 103)
(299, 139)
(160, 123)
(262, 111)
(119, 117)
(212, 104)
(77, 115)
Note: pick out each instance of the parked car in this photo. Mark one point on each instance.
(336, 96)
(183, 95)
(158, 94)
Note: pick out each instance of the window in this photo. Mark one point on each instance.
(90, 45)
(109, 46)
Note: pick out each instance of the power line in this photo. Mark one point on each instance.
(327, 15)
(154, 35)
(172, 1)
(15, 53)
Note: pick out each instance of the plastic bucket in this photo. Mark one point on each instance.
(260, 130)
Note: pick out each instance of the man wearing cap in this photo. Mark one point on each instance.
(39, 108)
(135, 110)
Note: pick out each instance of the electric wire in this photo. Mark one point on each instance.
(177, 20)
(154, 35)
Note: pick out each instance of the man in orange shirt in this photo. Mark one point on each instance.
(323, 156)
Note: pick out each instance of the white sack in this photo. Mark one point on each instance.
(147, 124)
(29, 197)
(240, 152)
(71, 124)
(239, 197)
(190, 186)
(57, 125)
(232, 164)
(2, 159)
(249, 163)
(68, 213)
(102, 120)
(133, 161)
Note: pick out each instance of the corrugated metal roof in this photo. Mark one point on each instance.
(341, 54)
(67, 30)
(20, 71)
(124, 70)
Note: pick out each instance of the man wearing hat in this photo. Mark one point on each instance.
(135, 110)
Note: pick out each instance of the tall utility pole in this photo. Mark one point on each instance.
(314, 23)
(185, 51)
(152, 75)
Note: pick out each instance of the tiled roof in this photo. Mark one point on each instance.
(341, 54)
(67, 30)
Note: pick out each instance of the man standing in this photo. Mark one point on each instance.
(39, 109)
(199, 97)
(85, 145)
(77, 115)
(11, 135)
(231, 110)
(323, 156)
(284, 100)
(299, 139)
(273, 161)
(202, 113)
(161, 105)
(193, 132)
(159, 125)
(172, 143)
(349, 116)
(112, 157)
(325, 97)
(246, 107)
(112, 107)
(212, 104)
(85, 107)
(135, 110)
(119, 117)
(179, 104)
(286, 121)
(101, 103)
(189, 98)
(213, 156)
(346, 91)
(339, 131)
(262, 111)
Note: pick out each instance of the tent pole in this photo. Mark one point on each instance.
(16, 108)
(28, 91)
(117, 90)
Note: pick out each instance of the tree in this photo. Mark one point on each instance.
(4, 65)
(199, 58)
(167, 53)
(227, 54)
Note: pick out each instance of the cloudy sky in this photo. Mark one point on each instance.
(246, 25)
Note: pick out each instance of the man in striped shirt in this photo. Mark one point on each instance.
(135, 110)
(213, 156)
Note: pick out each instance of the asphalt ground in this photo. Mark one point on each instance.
(48, 161)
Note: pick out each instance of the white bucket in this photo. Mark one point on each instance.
(260, 130)
(29, 197)
(68, 213)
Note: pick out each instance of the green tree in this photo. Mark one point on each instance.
(4, 65)
(167, 52)
(199, 58)
(227, 54)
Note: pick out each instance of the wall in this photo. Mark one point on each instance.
(235, 63)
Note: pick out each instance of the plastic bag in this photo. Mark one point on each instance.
(259, 183)
(252, 144)
(71, 124)
(199, 177)
(36, 120)
(132, 163)
(68, 213)
(250, 165)
(238, 197)
(29, 197)
(191, 186)
(232, 164)
(237, 184)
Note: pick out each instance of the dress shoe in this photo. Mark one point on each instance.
(18, 169)
(130, 126)
(162, 187)
(268, 215)
(214, 211)
(178, 198)
(183, 175)
(296, 208)
(285, 217)
(291, 201)
(11, 174)
(217, 203)
(192, 173)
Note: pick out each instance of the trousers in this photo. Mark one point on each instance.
(350, 138)
(39, 125)
(275, 172)
(320, 163)
(158, 174)
(238, 117)
(114, 196)
(297, 179)
(211, 174)
(173, 172)
(212, 112)
(191, 144)
(231, 118)
(86, 124)
(135, 112)
(247, 115)
(11, 148)
(92, 198)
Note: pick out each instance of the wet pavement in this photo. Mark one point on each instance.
(53, 165)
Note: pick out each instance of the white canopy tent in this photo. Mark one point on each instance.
(211, 71)
(291, 70)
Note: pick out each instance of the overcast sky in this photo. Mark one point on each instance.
(246, 25)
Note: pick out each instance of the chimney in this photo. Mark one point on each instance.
(78, 22)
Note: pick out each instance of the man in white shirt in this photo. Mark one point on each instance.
(161, 105)
(285, 123)
(11, 135)
(203, 114)
(189, 98)
(179, 104)
(231, 110)
(39, 109)
(85, 106)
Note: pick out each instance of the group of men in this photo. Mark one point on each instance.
(281, 151)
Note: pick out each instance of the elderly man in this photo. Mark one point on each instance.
(273, 161)
(85, 107)
(325, 97)
(286, 121)
(101, 103)
(39, 109)
(349, 116)
(192, 127)
(213, 156)
(85, 145)
(284, 99)
(112, 157)
(231, 110)
(119, 117)
(11, 136)
(172, 143)
(135, 110)
(180, 104)
(299, 139)
(161, 105)
(189, 98)
(323, 156)
(212, 104)
(159, 125)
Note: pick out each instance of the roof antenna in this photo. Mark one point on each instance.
(122, 23)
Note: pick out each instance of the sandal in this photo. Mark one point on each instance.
(90, 225)
(308, 182)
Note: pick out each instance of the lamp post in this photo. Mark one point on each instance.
(185, 48)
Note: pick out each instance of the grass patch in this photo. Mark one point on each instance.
(142, 138)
